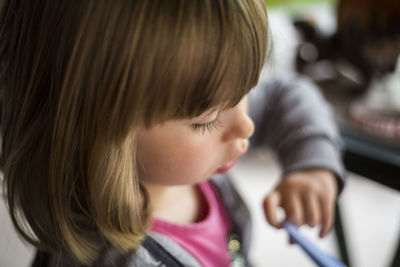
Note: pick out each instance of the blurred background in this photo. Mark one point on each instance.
(350, 48)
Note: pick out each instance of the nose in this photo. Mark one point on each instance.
(241, 125)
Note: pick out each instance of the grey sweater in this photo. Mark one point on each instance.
(291, 118)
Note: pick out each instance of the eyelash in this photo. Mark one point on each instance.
(209, 126)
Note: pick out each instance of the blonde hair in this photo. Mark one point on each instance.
(78, 77)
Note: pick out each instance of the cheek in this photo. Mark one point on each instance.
(196, 157)
(176, 162)
(189, 157)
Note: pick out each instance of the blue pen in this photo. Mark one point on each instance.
(321, 258)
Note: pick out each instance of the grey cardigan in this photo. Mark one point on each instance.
(291, 118)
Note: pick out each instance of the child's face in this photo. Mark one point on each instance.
(174, 153)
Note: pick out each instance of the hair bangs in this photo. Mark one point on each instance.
(197, 56)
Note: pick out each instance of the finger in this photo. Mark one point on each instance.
(312, 210)
(271, 203)
(294, 209)
(328, 214)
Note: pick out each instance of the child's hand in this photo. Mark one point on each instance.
(308, 197)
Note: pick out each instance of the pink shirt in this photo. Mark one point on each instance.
(205, 240)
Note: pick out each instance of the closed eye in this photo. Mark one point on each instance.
(209, 126)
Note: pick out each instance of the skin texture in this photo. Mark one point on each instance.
(173, 157)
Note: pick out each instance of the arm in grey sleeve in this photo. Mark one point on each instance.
(293, 118)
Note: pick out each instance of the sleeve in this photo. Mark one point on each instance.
(295, 121)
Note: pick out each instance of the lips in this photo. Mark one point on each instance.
(227, 166)
(231, 163)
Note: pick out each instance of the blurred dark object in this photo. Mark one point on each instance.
(378, 110)
(366, 43)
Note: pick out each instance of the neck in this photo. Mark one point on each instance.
(177, 204)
